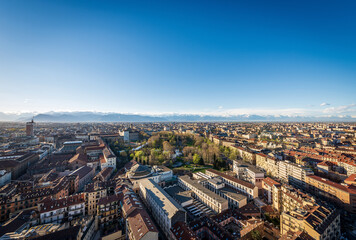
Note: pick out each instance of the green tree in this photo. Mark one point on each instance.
(139, 154)
(196, 159)
(233, 155)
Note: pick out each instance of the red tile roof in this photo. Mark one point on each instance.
(181, 231)
(349, 189)
(140, 223)
(269, 181)
(49, 204)
(351, 178)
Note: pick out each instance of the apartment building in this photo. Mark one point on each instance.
(12, 200)
(207, 197)
(323, 223)
(93, 154)
(342, 194)
(267, 186)
(85, 174)
(109, 158)
(139, 225)
(94, 192)
(181, 231)
(349, 166)
(287, 198)
(246, 154)
(351, 180)
(320, 222)
(248, 173)
(246, 188)
(104, 174)
(63, 209)
(108, 210)
(268, 164)
(293, 174)
(301, 212)
(164, 208)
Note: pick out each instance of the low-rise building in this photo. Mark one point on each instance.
(217, 185)
(250, 190)
(248, 172)
(165, 174)
(204, 195)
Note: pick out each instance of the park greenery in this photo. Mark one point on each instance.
(168, 148)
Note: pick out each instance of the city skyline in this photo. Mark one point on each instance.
(177, 58)
(177, 120)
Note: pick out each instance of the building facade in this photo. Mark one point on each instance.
(207, 197)
(163, 207)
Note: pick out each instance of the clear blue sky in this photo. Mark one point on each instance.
(267, 57)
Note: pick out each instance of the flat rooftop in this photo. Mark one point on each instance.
(178, 193)
(202, 189)
(233, 194)
(161, 197)
(247, 165)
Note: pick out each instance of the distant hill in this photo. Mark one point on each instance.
(119, 117)
(94, 117)
(15, 117)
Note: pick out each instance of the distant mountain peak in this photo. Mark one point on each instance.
(88, 116)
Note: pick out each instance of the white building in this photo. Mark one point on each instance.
(209, 198)
(109, 159)
(246, 188)
(129, 135)
(248, 172)
(164, 208)
(165, 174)
(292, 173)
